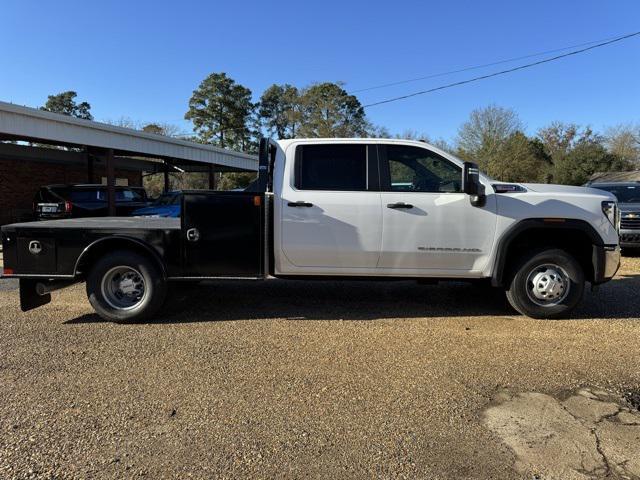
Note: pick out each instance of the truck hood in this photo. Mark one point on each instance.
(629, 207)
(567, 190)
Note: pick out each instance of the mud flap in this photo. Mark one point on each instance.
(29, 297)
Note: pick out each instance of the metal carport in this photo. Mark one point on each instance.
(97, 140)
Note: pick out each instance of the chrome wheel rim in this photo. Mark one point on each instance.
(123, 288)
(548, 285)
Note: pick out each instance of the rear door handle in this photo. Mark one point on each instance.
(300, 204)
(399, 205)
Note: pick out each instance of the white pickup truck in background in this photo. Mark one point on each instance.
(337, 208)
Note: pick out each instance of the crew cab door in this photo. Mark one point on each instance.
(330, 214)
(428, 223)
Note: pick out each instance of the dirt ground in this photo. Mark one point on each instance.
(321, 380)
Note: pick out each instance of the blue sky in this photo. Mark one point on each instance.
(142, 59)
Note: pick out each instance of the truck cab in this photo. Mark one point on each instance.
(378, 208)
(337, 208)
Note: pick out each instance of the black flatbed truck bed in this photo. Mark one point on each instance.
(221, 234)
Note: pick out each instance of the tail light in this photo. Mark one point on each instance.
(67, 207)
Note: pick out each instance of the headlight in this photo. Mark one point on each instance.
(610, 210)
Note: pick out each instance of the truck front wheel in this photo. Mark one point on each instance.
(546, 284)
(126, 286)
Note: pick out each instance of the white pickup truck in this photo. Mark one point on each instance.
(339, 209)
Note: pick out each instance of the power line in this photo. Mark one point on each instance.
(503, 72)
(476, 67)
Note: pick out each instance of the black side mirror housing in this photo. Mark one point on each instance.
(471, 184)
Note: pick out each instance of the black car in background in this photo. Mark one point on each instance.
(85, 200)
(628, 195)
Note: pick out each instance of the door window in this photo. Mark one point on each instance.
(331, 167)
(414, 169)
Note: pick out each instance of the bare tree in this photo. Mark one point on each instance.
(411, 134)
(486, 131)
(559, 137)
(624, 141)
(441, 143)
(162, 128)
(123, 121)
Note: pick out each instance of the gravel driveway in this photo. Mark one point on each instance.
(295, 379)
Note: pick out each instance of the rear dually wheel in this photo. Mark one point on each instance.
(126, 286)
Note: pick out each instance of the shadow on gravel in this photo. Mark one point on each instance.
(615, 299)
(330, 300)
(323, 300)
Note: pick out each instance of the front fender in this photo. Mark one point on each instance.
(555, 226)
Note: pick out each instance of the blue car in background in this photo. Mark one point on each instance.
(167, 205)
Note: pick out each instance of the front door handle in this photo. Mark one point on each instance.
(300, 204)
(399, 205)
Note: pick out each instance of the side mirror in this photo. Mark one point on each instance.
(471, 184)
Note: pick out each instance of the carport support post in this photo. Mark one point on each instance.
(212, 178)
(166, 177)
(111, 184)
(89, 159)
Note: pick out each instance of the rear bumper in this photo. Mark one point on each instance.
(50, 216)
(606, 262)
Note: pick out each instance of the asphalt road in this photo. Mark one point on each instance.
(295, 379)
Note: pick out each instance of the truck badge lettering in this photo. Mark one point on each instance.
(449, 249)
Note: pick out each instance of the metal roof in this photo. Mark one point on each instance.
(33, 124)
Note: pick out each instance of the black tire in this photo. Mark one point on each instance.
(105, 288)
(555, 268)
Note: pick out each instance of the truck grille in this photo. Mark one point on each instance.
(630, 223)
(630, 238)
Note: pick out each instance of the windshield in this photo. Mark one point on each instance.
(624, 193)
